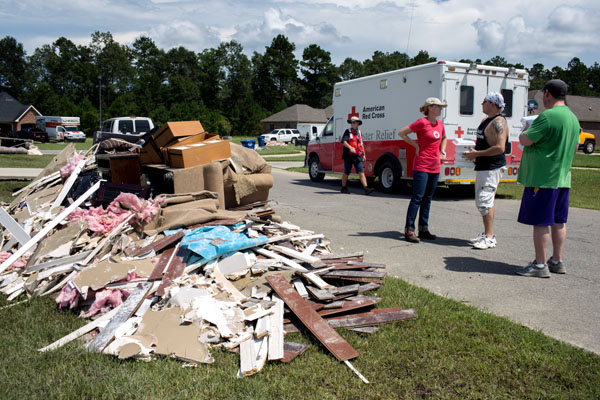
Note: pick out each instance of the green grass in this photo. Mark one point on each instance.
(61, 145)
(586, 160)
(291, 158)
(24, 161)
(451, 351)
(9, 187)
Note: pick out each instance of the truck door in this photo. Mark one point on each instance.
(326, 146)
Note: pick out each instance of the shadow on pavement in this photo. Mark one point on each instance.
(385, 234)
(472, 264)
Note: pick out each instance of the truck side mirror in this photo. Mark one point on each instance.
(532, 104)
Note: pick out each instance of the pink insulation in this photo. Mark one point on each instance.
(102, 221)
(20, 263)
(69, 296)
(68, 169)
(103, 300)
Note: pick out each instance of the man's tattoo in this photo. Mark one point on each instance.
(498, 126)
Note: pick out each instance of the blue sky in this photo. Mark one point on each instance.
(551, 32)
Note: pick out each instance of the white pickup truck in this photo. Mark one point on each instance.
(282, 135)
(127, 128)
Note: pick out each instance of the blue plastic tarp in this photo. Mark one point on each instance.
(214, 241)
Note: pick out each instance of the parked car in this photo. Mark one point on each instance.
(587, 142)
(282, 135)
(126, 128)
(74, 135)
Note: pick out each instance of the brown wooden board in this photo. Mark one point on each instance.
(366, 265)
(317, 325)
(368, 286)
(374, 317)
(175, 270)
(365, 280)
(157, 272)
(292, 350)
(362, 301)
(157, 245)
(354, 274)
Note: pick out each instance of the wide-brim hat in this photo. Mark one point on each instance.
(434, 101)
(355, 119)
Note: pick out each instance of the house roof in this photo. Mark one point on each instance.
(301, 113)
(585, 108)
(11, 110)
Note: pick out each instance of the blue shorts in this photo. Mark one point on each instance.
(356, 161)
(544, 206)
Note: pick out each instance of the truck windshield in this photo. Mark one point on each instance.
(72, 128)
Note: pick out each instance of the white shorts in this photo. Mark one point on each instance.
(486, 184)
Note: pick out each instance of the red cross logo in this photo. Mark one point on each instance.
(459, 132)
(353, 113)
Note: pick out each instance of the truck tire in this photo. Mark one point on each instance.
(313, 170)
(388, 176)
(294, 141)
(588, 146)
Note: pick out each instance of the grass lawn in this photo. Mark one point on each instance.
(61, 145)
(451, 351)
(24, 161)
(586, 160)
(9, 187)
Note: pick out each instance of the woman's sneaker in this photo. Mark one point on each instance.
(556, 267)
(485, 243)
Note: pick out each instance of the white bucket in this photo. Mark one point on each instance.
(463, 146)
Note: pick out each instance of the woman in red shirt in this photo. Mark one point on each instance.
(430, 149)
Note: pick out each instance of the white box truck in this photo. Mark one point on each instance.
(389, 101)
(309, 131)
(58, 127)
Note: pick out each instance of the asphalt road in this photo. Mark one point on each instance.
(566, 307)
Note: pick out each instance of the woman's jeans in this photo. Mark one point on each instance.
(423, 188)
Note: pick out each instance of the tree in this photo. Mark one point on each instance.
(350, 69)
(576, 78)
(149, 85)
(383, 62)
(497, 61)
(422, 58)
(13, 67)
(319, 76)
(211, 76)
(593, 78)
(283, 65)
(538, 76)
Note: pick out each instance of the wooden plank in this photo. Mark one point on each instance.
(157, 245)
(368, 286)
(374, 317)
(81, 331)
(175, 269)
(367, 265)
(300, 288)
(365, 280)
(127, 309)
(59, 261)
(48, 227)
(317, 325)
(276, 343)
(292, 350)
(15, 229)
(294, 265)
(161, 265)
(354, 274)
(362, 301)
(345, 289)
(296, 254)
(319, 294)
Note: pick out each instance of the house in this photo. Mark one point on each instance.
(294, 115)
(15, 116)
(586, 108)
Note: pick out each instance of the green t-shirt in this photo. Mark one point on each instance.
(547, 162)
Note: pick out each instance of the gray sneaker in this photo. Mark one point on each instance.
(532, 270)
(556, 268)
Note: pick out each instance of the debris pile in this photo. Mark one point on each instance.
(180, 273)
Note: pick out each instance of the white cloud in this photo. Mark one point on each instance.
(183, 33)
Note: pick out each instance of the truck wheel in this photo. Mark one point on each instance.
(313, 170)
(294, 141)
(588, 147)
(388, 176)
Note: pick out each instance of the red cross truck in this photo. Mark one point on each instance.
(389, 101)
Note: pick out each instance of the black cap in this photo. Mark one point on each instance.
(556, 87)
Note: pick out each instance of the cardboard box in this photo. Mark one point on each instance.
(149, 154)
(171, 131)
(187, 141)
(190, 155)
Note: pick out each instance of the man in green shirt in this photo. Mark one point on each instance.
(545, 171)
